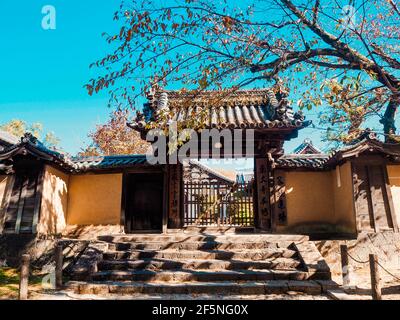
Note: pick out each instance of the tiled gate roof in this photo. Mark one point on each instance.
(240, 109)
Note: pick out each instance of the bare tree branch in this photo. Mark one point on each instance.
(315, 11)
(391, 61)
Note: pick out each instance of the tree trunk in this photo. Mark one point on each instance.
(388, 120)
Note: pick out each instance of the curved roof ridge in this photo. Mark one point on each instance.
(211, 170)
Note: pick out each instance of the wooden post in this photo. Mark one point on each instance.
(375, 278)
(59, 265)
(345, 265)
(24, 277)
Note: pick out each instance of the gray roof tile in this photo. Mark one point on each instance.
(258, 108)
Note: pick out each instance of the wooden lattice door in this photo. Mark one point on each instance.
(23, 203)
(374, 210)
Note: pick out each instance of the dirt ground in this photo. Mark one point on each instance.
(360, 284)
(9, 283)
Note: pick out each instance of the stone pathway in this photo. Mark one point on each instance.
(65, 295)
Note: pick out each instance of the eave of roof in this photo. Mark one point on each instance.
(289, 161)
(242, 109)
(211, 171)
(28, 145)
(308, 161)
(369, 143)
(108, 162)
(8, 138)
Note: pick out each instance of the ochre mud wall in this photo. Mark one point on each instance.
(54, 204)
(394, 180)
(342, 181)
(94, 199)
(319, 202)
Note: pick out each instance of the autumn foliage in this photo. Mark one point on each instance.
(230, 44)
(115, 138)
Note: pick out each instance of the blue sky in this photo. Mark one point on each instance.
(42, 72)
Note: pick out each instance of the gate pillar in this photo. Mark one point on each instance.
(262, 195)
(268, 185)
(175, 192)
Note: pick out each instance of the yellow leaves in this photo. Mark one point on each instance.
(360, 110)
(373, 75)
(339, 24)
(335, 87)
(203, 83)
(300, 103)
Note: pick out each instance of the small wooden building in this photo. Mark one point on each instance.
(354, 189)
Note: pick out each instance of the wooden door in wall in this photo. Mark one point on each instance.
(144, 202)
(23, 202)
(373, 203)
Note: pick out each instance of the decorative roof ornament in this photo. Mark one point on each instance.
(29, 137)
(151, 93)
(284, 111)
(162, 103)
(366, 134)
(273, 104)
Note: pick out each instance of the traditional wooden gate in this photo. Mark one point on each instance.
(372, 195)
(21, 211)
(217, 203)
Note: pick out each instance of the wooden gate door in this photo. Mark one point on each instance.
(23, 203)
(144, 202)
(373, 203)
(218, 204)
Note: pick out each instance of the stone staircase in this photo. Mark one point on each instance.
(226, 264)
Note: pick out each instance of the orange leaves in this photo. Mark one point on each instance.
(114, 137)
(89, 89)
(228, 23)
(203, 83)
(129, 35)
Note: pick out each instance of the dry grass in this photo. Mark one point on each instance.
(9, 283)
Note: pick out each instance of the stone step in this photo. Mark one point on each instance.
(165, 264)
(182, 237)
(198, 297)
(200, 275)
(210, 254)
(223, 287)
(197, 245)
